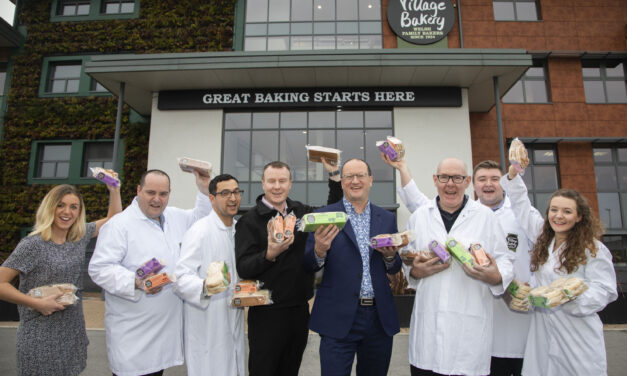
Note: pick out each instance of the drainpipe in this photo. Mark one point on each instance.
(459, 21)
(118, 124)
(499, 122)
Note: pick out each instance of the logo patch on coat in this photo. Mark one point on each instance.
(512, 242)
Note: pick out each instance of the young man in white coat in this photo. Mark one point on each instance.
(451, 324)
(213, 329)
(144, 330)
(510, 327)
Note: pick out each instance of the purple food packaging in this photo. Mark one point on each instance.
(439, 250)
(387, 241)
(151, 266)
(388, 150)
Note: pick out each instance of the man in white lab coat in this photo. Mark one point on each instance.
(510, 327)
(213, 329)
(451, 324)
(144, 330)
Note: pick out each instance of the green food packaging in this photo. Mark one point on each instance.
(513, 288)
(459, 252)
(539, 301)
(310, 222)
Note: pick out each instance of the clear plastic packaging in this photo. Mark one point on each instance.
(218, 278)
(392, 147)
(315, 153)
(67, 289)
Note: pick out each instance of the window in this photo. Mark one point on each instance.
(97, 154)
(279, 25)
(90, 10)
(118, 6)
(604, 81)
(65, 76)
(516, 10)
(541, 176)
(531, 88)
(73, 7)
(610, 169)
(53, 161)
(252, 139)
(68, 161)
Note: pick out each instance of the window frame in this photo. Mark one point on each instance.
(537, 63)
(249, 184)
(95, 12)
(615, 163)
(603, 78)
(538, 10)
(77, 152)
(239, 37)
(84, 84)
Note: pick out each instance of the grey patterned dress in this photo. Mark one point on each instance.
(54, 345)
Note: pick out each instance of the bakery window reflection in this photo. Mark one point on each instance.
(252, 139)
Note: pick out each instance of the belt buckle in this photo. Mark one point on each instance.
(366, 301)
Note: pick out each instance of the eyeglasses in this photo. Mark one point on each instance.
(350, 177)
(457, 179)
(226, 193)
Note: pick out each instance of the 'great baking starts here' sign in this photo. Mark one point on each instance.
(310, 97)
(421, 21)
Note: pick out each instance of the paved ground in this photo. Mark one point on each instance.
(97, 364)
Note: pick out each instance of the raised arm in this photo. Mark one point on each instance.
(115, 206)
(409, 193)
(527, 216)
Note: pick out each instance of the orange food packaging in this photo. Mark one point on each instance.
(158, 280)
(479, 254)
(248, 286)
(289, 222)
(275, 225)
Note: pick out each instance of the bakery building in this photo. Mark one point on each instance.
(241, 83)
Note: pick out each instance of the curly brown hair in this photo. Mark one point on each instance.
(580, 237)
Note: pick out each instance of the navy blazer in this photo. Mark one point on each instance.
(337, 297)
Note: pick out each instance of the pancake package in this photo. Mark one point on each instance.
(248, 293)
(282, 228)
(218, 278)
(518, 293)
(310, 222)
(67, 289)
(392, 147)
(189, 165)
(158, 280)
(109, 177)
(459, 252)
(561, 291)
(151, 266)
(315, 153)
(400, 239)
(518, 156)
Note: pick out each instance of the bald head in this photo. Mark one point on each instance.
(454, 163)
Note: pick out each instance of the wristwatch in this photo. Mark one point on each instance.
(334, 173)
(388, 258)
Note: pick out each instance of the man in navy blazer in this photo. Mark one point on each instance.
(354, 311)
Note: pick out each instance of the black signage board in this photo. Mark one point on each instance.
(311, 97)
(421, 21)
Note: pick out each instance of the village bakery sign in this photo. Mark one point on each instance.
(421, 21)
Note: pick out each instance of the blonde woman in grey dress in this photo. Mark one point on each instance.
(51, 338)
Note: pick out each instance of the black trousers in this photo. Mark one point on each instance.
(277, 339)
(505, 366)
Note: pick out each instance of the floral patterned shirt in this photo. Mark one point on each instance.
(361, 226)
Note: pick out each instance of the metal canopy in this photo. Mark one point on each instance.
(466, 68)
(9, 36)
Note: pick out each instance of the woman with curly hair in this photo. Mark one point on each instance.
(568, 339)
(51, 338)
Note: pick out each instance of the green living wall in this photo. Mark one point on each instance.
(162, 27)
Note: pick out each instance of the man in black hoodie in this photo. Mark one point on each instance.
(277, 334)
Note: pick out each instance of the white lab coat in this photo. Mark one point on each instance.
(144, 332)
(214, 331)
(510, 327)
(566, 340)
(451, 323)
